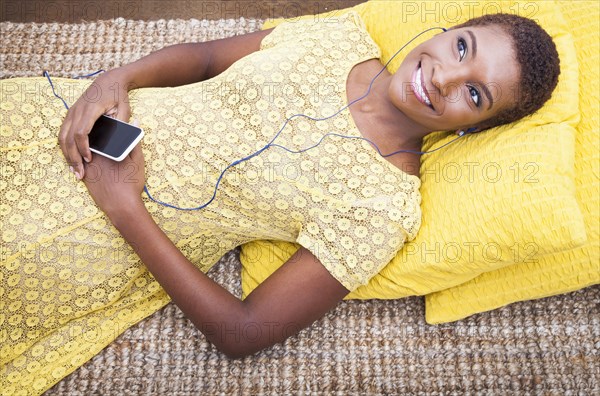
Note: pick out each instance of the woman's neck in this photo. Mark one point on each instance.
(382, 122)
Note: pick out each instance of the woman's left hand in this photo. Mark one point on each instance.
(116, 186)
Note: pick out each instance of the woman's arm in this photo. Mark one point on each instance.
(183, 64)
(298, 293)
(293, 297)
(171, 66)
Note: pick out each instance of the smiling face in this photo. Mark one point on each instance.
(457, 79)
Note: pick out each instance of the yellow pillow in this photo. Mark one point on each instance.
(490, 200)
(564, 271)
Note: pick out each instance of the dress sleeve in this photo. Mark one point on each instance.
(355, 242)
(354, 233)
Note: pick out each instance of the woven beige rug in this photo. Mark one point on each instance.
(542, 347)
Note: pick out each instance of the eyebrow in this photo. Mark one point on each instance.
(485, 89)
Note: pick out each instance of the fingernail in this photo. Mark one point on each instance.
(71, 169)
(87, 159)
(77, 175)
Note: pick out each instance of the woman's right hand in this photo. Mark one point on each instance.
(108, 95)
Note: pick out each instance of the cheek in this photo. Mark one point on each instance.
(395, 91)
(457, 99)
(459, 114)
(455, 96)
(457, 109)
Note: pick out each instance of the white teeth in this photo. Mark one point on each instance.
(420, 87)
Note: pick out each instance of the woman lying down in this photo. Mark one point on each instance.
(121, 239)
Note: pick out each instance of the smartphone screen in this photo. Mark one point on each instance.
(113, 138)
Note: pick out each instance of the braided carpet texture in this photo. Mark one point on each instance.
(549, 346)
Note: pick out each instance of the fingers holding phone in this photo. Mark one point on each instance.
(110, 96)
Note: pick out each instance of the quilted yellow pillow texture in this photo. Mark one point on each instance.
(490, 200)
(568, 270)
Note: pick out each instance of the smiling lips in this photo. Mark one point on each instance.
(419, 87)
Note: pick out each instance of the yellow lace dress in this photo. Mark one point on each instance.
(70, 284)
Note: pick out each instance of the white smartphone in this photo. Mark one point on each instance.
(112, 138)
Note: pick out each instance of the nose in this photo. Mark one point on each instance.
(448, 78)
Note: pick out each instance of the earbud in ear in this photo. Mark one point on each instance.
(470, 130)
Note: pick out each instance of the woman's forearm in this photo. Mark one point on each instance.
(212, 309)
(171, 66)
(183, 64)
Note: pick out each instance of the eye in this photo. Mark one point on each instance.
(462, 46)
(462, 51)
(475, 96)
